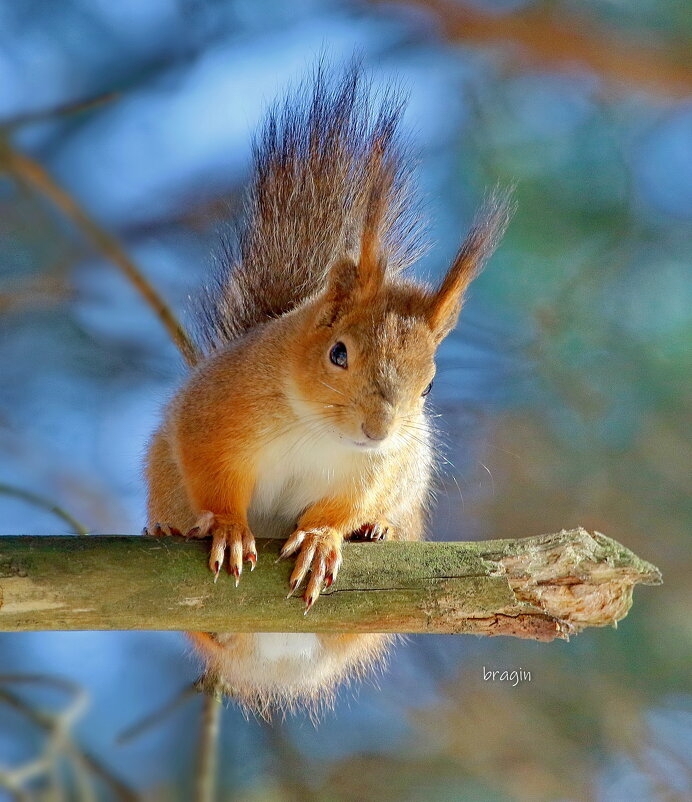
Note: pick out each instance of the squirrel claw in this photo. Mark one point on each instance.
(372, 531)
(320, 555)
(160, 530)
(292, 544)
(227, 534)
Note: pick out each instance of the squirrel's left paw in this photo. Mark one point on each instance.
(320, 553)
(226, 532)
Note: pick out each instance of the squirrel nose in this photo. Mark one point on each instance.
(376, 436)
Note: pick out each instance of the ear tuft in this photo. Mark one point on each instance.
(351, 282)
(485, 234)
(342, 283)
(371, 262)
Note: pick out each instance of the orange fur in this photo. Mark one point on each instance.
(268, 436)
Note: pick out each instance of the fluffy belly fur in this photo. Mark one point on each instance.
(269, 671)
(282, 645)
(294, 471)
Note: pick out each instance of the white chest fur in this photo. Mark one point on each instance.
(280, 645)
(297, 469)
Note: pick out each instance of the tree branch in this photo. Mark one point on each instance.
(30, 172)
(562, 41)
(65, 109)
(50, 723)
(208, 749)
(541, 588)
(44, 503)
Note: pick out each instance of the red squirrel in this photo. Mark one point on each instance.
(306, 418)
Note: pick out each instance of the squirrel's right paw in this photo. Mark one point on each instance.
(226, 532)
(320, 553)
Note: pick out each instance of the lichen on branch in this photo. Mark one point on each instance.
(541, 587)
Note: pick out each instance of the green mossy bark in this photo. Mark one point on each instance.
(489, 587)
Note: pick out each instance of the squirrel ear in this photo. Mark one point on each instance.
(342, 282)
(371, 264)
(360, 281)
(484, 236)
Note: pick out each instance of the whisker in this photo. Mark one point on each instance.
(302, 400)
(331, 388)
(292, 425)
(461, 495)
(492, 479)
(506, 451)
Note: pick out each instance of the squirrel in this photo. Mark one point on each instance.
(306, 418)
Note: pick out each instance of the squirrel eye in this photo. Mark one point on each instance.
(427, 390)
(338, 355)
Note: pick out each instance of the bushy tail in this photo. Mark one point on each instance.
(314, 163)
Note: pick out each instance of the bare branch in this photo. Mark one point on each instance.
(44, 503)
(30, 172)
(152, 720)
(66, 109)
(208, 755)
(563, 40)
(541, 588)
(39, 292)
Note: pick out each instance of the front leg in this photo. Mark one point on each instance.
(318, 538)
(222, 499)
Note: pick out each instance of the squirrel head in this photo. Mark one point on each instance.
(367, 363)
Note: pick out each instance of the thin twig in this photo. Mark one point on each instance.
(60, 110)
(59, 742)
(47, 722)
(205, 778)
(561, 41)
(36, 293)
(152, 719)
(290, 764)
(16, 793)
(46, 504)
(30, 172)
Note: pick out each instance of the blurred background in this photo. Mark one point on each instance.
(562, 394)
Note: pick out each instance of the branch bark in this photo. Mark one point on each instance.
(561, 41)
(541, 587)
(208, 750)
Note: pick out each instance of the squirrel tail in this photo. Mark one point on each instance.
(316, 162)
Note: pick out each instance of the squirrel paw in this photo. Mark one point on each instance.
(226, 532)
(373, 532)
(320, 553)
(161, 530)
